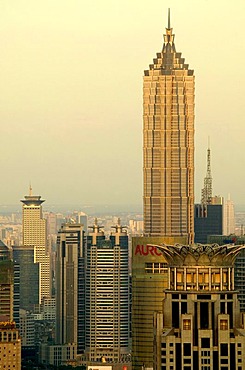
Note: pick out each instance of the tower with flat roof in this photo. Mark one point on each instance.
(168, 114)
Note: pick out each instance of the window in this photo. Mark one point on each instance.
(223, 325)
(186, 324)
(205, 342)
(187, 349)
(224, 349)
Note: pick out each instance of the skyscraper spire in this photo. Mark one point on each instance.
(207, 189)
(30, 190)
(168, 45)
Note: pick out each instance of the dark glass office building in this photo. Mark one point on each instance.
(208, 220)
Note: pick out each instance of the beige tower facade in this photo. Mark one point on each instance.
(35, 235)
(168, 114)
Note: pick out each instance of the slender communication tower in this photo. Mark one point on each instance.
(207, 189)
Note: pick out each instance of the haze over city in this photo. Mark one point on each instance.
(71, 97)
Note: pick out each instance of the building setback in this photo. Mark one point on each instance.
(168, 114)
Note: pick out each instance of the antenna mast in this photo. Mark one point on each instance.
(207, 189)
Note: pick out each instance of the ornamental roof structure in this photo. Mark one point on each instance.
(200, 255)
(32, 200)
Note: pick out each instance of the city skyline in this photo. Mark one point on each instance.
(69, 122)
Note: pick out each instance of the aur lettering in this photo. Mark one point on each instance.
(145, 250)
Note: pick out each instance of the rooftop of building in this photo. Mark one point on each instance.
(198, 254)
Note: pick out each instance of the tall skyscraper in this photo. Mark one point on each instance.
(70, 282)
(34, 235)
(168, 115)
(107, 295)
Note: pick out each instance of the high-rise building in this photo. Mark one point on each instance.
(168, 115)
(209, 219)
(168, 134)
(10, 343)
(229, 217)
(51, 223)
(6, 282)
(107, 295)
(200, 326)
(35, 235)
(27, 328)
(70, 282)
(26, 279)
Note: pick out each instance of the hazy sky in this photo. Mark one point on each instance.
(71, 94)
